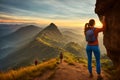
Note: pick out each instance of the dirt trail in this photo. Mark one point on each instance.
(70, 72)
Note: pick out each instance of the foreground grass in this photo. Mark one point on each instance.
(69, 58)
(29, 73)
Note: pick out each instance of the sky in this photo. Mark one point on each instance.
(64, 13)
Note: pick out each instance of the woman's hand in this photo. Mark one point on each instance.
(103, 20)
(104, 23)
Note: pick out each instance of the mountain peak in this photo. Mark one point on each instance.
(52, 31)
(52, 26)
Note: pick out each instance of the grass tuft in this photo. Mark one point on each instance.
(30, 72)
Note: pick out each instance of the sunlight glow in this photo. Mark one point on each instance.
(43, 12)
(42, 21)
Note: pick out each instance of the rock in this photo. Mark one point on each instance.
(111, 9)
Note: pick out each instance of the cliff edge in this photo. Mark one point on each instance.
(110, 9)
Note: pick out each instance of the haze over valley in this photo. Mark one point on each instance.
(23, 44)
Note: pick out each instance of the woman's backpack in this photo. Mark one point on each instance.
(90, 37)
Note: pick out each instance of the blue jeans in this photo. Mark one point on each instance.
(95, 49)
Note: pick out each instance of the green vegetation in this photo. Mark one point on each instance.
(51, 41)
(75, 48)
(107, 66)
(29, 73)
(71, 59)
(42, 41)
(110, 70)
(47, 45)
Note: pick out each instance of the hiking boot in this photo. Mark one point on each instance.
(99, 77)
(91, 75)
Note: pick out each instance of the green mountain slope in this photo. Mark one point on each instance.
(42, 47)
(75, 48)
(46, 45)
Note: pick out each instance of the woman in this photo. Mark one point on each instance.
(94, 46)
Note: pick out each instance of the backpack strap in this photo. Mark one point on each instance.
(93, 31)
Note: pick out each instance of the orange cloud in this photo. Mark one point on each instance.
(43, 21)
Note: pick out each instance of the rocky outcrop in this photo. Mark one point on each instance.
(111, 9)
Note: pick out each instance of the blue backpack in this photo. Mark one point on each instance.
(90, 37)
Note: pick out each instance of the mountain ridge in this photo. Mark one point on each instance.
(47, 44)
(17, 39)
(39, 47)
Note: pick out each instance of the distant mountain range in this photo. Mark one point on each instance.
(17, 39)
(6, 29)
(38, 44)
(73, 37)
(76, 49)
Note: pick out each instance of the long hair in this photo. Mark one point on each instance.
(88, 25)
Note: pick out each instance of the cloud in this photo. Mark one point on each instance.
(49, 9)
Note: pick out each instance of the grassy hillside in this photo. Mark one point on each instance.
(29, 73)
(76, 49)
(35, 50)
(45, 45)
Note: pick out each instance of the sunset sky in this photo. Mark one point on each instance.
(65, 13)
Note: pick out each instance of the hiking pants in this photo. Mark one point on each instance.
(95, 49)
